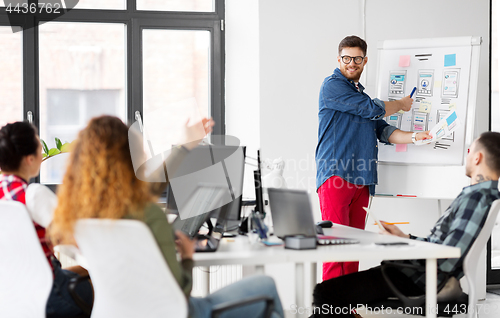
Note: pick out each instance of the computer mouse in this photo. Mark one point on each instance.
(325, 224)
(319, 230)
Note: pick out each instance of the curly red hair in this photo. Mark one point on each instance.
(100, 181)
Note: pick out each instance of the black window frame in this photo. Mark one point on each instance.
(136, 21)
(492, 274)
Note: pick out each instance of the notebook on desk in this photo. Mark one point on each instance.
(292, 215)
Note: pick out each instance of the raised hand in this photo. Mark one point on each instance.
(197, 131)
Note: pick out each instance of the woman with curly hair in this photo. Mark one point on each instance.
(20, 160)
(100, 183)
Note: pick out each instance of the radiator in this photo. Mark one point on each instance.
(210, 279)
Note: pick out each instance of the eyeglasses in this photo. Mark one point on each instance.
(357, 59)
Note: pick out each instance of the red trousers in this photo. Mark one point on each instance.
(342, 202)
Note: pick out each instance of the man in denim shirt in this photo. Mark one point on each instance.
(350, 122)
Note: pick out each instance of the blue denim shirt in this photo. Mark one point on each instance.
(349, 124)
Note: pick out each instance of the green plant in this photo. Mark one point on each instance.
(60, 148)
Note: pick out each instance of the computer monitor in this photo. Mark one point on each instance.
(194, 212)
(229, 216)
(291, 212)
(218, 164)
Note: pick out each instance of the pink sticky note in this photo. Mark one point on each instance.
(404, 60)
(401, 147)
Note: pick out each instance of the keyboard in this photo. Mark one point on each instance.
(334, 240)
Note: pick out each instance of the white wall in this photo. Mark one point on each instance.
(299, 41)
(295, 49)
(242, 79)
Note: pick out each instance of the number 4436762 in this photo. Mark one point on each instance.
(32, 8)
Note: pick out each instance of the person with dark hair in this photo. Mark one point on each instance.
(489, 144)
(20, 150)
(459, 226)
(20, 160)
(350, 122)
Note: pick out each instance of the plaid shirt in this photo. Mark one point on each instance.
(13, 188)
(459, 227)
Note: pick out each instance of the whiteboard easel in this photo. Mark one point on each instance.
(436, 178)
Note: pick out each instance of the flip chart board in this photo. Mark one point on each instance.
(445, 73)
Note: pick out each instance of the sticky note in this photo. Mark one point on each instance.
(452, 106)
(404, 60)
(425, 106)
(437, 84)
(401, 147)
(450, 60)
(451, 118)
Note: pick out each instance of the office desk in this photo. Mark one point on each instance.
(240, 251)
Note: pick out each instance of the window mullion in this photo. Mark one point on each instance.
(218, 92)
(131, 5)
(31, 71)
(134, 70)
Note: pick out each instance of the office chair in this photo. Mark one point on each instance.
(453, 295)
(471, 260)
(25, 274)
(130, 275)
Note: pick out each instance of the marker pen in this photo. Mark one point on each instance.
(413, 92)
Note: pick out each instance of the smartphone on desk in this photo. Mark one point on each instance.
(391, 243)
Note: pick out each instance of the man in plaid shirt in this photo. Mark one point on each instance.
(459, 227)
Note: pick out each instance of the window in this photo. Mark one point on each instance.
(100, 4)
(176, 5)
(127, 58)
(81, 77)
(11, 87)
(68, 111)
(176, 82)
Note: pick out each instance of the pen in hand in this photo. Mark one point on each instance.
(413, 92)
(392, 223)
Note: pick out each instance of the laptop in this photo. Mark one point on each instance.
(292, 215)
(196, 212)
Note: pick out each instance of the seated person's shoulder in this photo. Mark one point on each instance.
(40, 203)
(152, 211)
(476, 201)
